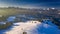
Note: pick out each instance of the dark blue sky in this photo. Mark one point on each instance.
(31, 3)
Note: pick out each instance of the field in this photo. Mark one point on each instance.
(15, 11)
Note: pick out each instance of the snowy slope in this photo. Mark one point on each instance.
(24, 27)
(33, 27)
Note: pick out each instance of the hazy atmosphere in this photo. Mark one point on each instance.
(30, 3)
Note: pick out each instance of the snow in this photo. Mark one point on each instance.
(2, 23)
(33, 27)
(11, 18)
(28, 27)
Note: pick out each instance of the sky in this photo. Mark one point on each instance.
(30, 3)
